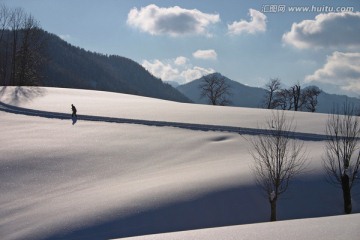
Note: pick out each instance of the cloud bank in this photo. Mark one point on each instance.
(173, 21)
(327, 30)
(164, 71)
(256, 24)
(341, 70)
(171, 70)
(181, 61)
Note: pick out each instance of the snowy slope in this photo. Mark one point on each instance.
(97, 103)
(101, 180)
(327, 228)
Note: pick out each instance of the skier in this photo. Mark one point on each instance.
(73, 108)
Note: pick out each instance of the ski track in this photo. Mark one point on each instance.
(190, 126)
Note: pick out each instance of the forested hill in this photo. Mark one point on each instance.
(73, 67)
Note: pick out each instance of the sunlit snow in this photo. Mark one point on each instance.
(101, 179)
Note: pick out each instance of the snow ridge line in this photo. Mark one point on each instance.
(190, 126)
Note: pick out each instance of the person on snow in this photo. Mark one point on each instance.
(73, 108)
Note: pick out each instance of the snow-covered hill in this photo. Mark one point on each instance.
(116, 173)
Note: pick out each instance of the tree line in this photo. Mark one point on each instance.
(293, 98)
(22, 48)
(216, 89)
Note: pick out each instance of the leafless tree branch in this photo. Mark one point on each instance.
(215, 89)
(341, 163)
(277, 158)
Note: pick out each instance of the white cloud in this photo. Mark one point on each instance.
(327, 30)
(205, 54)
(180, 60)
(65, 37)
(195, 73)
(161, 70)
(169, 70)
(173, 21)
(341, 70)
(256, 24)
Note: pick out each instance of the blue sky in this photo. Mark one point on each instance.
(247, 41)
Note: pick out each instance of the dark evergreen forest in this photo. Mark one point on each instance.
(30, 56)
(73, 67)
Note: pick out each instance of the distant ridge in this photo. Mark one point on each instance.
(246, 96)
(241, 95)
(74, 67)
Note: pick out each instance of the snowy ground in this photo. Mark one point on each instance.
(327, 228)
(115, 173)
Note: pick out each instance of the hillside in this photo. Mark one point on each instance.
(246, 96)
(73, 67)
(132, 166)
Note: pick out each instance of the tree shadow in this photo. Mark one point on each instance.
(18, 95)
(225, 207)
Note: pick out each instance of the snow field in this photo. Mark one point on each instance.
(97, 180)
(326, 228)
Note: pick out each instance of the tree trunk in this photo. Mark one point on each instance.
(270, 100)
(13, 59)
(345, 184)
(273, 210)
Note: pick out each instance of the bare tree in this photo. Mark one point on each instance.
(5, 14)
(296, 96)
(4, 20)
(272, 87)
(284, 99)
(342, 158)
(309, 96)
(215, 88)
(278, 158)
(297, 99)
(16, 23)
(30, 56)
(22, 48)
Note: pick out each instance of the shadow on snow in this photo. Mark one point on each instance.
(21, 94)
(190, 126)
(224, 207)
